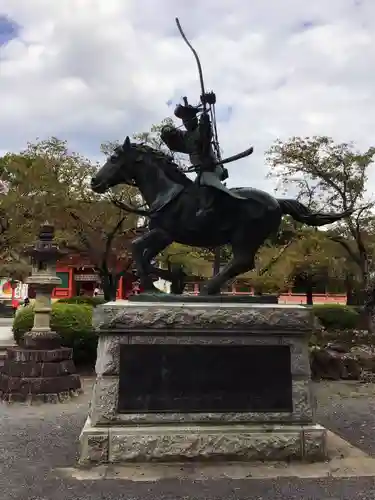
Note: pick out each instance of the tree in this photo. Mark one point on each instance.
(312, 261)
(271, 274)
(103, 233)
(298, 256)
(15, 232)
(4, 218)
(190, 259)
(48, 181)
(17, 271)
(331, 176)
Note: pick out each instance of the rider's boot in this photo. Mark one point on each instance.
(206, 205)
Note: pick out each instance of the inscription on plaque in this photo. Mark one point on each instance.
(204, 378)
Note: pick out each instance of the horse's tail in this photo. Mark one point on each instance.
(303, 214)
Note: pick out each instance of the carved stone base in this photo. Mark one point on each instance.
(41, 340)
(160, 393)
(178, 443)
(40, 375)
(205, 299)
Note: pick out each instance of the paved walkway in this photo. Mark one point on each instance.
(39, 444)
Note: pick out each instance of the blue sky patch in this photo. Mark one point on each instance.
(8, 29)
(304, 26)
(307, 25)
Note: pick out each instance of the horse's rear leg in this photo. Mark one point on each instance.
(242, 262)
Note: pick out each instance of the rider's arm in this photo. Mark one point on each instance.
(174, 139)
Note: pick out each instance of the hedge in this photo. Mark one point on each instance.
(74, 324)
(336, 316)
(90, 301)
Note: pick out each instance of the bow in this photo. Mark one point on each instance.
(200, 72)
(210, 99)
(207, 99)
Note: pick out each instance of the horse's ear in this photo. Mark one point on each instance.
(126, 144)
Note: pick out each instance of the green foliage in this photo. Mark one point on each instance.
(272, 270)
(48, 178)
(322, 170)
(152, 138)
(16, 270)
(331, 176)
(73, 322)
(336, 316)
(90, 301)
(194, 261)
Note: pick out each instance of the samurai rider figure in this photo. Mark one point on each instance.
(196, 141)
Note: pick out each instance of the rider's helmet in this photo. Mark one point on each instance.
(186, 112)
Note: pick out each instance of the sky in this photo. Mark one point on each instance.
(92, 70)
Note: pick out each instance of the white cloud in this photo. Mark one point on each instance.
(95, 70)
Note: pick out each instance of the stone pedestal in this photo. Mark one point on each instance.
(38, 376)
(196, 381)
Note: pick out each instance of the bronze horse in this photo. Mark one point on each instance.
(174, 200)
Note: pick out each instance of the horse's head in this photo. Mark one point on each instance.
(118, 169)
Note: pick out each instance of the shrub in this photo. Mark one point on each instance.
(73, 322)
(90, 301)
(336, 316)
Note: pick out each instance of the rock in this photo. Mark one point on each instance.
(317, 325)
(327, 363)
(337, 346)
(367, 377)
(366, 356)
(353, 369)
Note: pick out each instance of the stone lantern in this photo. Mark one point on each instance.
(40, 370)
(44, 254)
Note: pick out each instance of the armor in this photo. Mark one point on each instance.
(196, 141)
(199, 140)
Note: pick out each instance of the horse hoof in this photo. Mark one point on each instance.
(207, 293)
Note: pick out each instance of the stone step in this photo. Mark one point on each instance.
(5, 344)
(3, 350)
(3, 355)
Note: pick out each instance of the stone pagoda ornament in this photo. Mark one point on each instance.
(44, 254)
(40, 369)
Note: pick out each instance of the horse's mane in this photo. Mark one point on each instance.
(165, 161)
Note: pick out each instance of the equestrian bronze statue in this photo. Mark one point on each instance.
(203, 212)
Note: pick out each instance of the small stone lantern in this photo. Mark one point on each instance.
(40, 370)
(44, 254)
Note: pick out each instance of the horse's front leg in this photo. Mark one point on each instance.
(144, 249)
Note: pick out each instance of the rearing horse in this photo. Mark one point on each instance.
(174, 200)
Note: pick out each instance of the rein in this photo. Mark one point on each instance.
(174, 175)
(129, 208)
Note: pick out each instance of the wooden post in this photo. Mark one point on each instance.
(120, 288)
(70, 282)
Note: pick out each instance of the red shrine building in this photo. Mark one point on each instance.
(79, 277)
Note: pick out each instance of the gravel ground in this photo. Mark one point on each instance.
(348, 409)
(37, 441)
